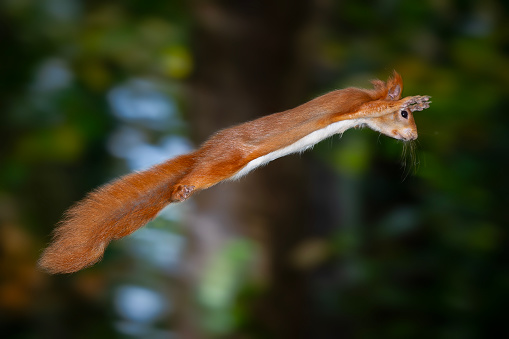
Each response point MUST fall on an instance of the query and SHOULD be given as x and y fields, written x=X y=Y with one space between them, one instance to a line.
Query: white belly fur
x=299 y=146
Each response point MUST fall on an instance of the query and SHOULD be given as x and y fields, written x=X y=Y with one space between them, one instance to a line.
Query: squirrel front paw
x=181 y=193
x=417 y=102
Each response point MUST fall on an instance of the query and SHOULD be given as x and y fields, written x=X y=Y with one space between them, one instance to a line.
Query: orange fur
x=121 y=207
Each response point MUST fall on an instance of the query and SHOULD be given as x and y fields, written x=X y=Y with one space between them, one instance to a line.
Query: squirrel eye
x=404 y=114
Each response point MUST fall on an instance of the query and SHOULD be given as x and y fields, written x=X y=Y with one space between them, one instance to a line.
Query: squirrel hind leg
x=182 y=192
x=207 y=174
x=193 y=183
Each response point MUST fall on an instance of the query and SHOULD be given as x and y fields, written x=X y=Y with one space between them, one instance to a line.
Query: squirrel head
x=398 y=125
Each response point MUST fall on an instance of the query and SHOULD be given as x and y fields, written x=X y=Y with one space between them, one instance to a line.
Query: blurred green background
x=350 y=240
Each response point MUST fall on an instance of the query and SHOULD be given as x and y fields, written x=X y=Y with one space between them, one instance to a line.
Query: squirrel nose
x=409 y=134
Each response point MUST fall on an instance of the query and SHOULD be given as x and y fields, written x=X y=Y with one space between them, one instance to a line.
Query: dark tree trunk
x=250 y=61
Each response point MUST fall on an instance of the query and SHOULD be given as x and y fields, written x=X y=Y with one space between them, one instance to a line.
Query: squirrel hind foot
x=181 y=193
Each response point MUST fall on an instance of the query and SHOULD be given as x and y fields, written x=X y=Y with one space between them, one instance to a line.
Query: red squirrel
x=121 y=207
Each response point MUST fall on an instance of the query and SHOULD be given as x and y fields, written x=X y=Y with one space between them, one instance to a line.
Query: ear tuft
x=394 y=87
x=379 y=85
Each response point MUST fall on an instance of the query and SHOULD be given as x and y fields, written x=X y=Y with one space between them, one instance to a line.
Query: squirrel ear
x=394 y=92
x=394 y=85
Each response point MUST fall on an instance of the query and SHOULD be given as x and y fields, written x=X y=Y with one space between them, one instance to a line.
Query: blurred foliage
x=421 y=256
x=220 y=286
x=58 y=62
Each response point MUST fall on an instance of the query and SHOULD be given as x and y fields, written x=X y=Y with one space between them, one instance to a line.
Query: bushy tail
x=111 y=212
